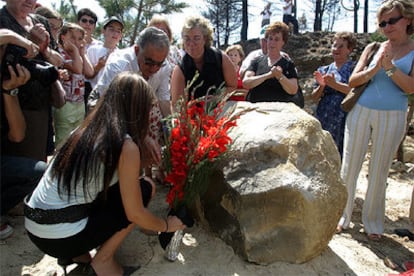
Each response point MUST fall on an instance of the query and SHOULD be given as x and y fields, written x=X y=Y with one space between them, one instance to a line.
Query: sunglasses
x=90 y=21
x=153 y=63
x=392 y=21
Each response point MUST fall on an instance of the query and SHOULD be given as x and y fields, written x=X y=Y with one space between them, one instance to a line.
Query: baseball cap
x=113 y=19
x=263 y=31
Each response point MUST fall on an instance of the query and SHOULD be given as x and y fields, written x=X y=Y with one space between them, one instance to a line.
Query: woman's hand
x=70 y=48
x=64 y=74
x=386 y=56
x=277 y=72
x=329 y=80
x=32 y=50
x=151 y=152
x=16 y=79
x=174 y=224
x=319 y=78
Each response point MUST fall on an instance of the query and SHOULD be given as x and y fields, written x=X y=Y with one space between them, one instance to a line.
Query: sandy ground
x=349 y=253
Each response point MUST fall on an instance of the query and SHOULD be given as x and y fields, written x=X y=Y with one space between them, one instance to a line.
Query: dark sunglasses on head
x=90 y=21
x=151 y=62
x=392 y=21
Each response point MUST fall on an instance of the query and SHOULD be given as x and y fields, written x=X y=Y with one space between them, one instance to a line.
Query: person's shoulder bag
x=352 y=97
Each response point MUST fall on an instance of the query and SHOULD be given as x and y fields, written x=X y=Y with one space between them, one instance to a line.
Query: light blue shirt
x=382 y=93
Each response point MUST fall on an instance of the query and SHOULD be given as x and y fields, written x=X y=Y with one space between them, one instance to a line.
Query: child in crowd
x=99 y=53
x=72 y=47
x=236 y=55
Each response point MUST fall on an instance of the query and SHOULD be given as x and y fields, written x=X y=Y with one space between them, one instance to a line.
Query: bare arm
x=40 y=36
x=14 y=114
x=177 y=85
x=338 y=86
x=229 y=72
x=129 y=172
x=10 y=37
x=361 y=73
x=402 y=80
x=317 y=93
x=88 y=70
x=76 y=64
x=250 y=80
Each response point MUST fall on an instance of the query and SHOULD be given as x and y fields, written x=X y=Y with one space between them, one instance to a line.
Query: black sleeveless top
x=211 y=75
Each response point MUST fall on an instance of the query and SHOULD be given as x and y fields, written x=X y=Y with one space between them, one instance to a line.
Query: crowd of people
x=97 y=110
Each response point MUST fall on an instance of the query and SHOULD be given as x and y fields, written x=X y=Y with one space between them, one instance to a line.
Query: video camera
x=40 y=70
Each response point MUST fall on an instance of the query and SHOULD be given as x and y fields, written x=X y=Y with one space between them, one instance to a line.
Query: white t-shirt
x=46 y=196
x=288 y=8
x=266 y=14
x=94 y=53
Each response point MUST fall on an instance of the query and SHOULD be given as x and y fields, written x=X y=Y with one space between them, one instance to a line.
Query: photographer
x=36 y=94
x=19 y=175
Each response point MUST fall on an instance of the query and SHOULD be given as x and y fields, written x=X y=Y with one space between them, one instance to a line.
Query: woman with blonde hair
x=159 y=21
x=213 y=65
x=380 y=113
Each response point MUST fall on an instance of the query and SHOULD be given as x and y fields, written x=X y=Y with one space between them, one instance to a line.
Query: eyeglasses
x=195 y=39
x=392 y=21
x=153 y=63
x=90 y=21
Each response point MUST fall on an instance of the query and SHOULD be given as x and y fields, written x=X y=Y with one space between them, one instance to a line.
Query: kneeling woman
x=90 y=195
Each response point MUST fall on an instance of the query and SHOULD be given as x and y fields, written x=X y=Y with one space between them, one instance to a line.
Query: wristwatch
x=391 y=71
x=13 y=92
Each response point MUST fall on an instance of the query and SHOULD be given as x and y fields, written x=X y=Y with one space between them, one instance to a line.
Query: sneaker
x=5 y=231
x=408 y=265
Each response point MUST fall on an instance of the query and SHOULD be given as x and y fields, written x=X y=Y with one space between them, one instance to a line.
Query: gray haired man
x=147 y=57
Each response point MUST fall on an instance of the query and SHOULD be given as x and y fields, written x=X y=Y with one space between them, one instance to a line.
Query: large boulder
x=279 y=196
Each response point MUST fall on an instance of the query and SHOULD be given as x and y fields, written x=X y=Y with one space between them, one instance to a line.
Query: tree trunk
x=245 y=21
x=356 y=8
x=366 y=11
x=317 y=25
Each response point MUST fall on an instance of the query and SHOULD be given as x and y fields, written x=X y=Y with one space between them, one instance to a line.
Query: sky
x=255 y=7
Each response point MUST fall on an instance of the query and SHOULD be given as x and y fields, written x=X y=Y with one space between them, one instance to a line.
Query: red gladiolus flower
x=197 y=137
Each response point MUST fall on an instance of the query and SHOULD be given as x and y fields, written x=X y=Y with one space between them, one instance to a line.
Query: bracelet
x=390 y=72
x=281 y=78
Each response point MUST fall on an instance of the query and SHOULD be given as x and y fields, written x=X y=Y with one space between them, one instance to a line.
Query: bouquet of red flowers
x=197 y=138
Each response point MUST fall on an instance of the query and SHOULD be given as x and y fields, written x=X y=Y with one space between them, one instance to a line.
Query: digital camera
x=40 y=70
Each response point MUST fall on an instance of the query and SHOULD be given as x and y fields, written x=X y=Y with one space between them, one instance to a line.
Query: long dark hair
x=91 y=153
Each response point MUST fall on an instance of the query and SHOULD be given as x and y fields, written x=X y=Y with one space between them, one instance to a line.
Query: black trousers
x=106 y=218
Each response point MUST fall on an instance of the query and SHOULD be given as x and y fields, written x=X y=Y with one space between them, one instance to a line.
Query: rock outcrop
x=280 y=195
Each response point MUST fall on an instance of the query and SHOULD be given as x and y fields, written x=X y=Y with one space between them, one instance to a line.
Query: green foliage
x=378 y=37
x=135 y=14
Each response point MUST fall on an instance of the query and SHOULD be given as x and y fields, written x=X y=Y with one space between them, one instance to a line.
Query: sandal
x=374 y=237
x=339 y=229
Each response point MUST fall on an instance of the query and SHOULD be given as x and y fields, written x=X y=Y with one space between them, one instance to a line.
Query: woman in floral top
x=331 y=86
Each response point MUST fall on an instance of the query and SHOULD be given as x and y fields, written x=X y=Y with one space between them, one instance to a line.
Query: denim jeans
x=19 y=176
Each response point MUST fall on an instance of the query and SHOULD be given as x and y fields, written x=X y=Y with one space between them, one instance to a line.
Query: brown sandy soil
x=349 y=253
